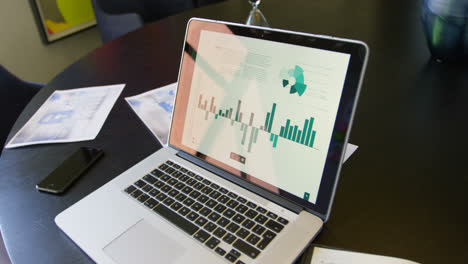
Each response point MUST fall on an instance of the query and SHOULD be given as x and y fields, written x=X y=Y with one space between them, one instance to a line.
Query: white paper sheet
x=334 y=256
x=69 y=116
x=154 y=108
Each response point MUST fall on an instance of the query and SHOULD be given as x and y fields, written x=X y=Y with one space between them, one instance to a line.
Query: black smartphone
x=69 y=170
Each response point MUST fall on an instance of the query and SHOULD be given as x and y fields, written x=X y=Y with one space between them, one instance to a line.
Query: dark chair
x=15 y=94
x=118 y=17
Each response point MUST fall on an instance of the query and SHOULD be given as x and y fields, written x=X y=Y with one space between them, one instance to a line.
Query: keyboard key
x=235 y=253
x=240 y=262
x=172 y=181
x=180 y=197
x=251 y=213
x=232 y=227
x=165 y=177
x=140 y=183
x=192 y=216
x=229 y=213
x=272 y=215
x=130 y=189
x=161 y=196
x=187 y=190
x=166 y=188
x=223 y=199
x=242 y=233
x=190 y=182
x=191 y=174
x=220 y=208
x=177 y=166
x=177 y=174
x=157 y=173
x=258 y=229
x=230 y=257
x=198 y=177
x=196 y=207
x=163 y=167
x=232 y=204
x=205 y=211
x=176 y=206
x=159 y=184
x=150 y=203
x=169 y=162
x=238 y=218
x=195 y=194
x=176 y=219
x=214 y=217
x=241 y=199
x=248 y=224
x=199 y=186
x=183 y=178
x=211 y=203
x=261 y=219
x=215 y=194
x=210 y=227
x=136 y=193
x=253 y=239
x=168 y=201
x=229 y=238
x=206 y=182
x=212 y=242
x=220 y=251
x=150 y=179
x=170 y=170
x=184 y=170
x=241 y=208
x=251 y=205
x=201 y=221
x=232 y=195
x=184 y=211
x=283 y=221
x=188 y=202
x=223 y=222
x=203 y=198
x=275 y=226
x=261 y=210
x=219 y=232
x=179 y=186
x=267 y=238
x=214 y=186
x=154 y=192
x=147 y=188
x=223 y=190
x=246 y=248
x=201 y=236
x=173 y=193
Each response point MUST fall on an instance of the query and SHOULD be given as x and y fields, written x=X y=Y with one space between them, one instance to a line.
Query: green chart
x=288 y=131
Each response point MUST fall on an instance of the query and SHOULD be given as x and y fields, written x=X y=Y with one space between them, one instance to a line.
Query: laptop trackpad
x=142 y=243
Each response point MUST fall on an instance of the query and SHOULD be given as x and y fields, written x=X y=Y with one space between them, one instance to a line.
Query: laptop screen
x=263 y=105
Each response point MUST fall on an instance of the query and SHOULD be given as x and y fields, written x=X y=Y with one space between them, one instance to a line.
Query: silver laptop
x=260 y=124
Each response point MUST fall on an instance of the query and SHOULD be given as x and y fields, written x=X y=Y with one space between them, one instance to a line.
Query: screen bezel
x=358 y=57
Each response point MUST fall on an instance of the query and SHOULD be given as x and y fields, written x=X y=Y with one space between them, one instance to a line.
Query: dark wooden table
x=402 y=194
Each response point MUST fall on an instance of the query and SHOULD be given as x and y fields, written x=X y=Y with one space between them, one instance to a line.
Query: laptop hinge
x=242 y=182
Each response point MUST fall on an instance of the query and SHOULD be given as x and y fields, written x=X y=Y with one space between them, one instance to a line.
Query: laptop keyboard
x=231 y=225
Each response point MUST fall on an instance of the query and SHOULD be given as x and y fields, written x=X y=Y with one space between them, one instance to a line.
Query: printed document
x=154 y=108
x=69 y=116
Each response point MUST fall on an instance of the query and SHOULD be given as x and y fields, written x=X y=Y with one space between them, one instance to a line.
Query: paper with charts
x=154 y=108
x=69 y=116
x=335 y=256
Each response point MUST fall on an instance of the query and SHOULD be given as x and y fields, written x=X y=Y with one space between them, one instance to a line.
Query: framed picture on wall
x=60 y=18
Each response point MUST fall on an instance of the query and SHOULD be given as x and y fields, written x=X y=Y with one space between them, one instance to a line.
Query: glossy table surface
x=403 y=193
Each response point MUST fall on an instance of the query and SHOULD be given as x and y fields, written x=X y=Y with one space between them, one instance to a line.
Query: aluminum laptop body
x=260 y=124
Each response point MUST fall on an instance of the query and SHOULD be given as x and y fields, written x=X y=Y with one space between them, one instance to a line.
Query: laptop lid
x=270 y=107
